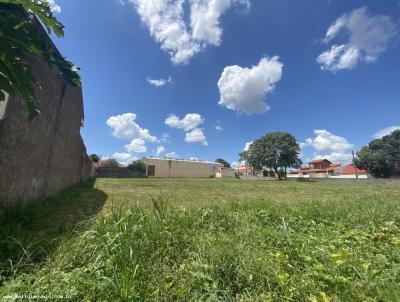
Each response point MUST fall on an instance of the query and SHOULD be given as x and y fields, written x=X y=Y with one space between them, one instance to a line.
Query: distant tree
x=20 y=40
x=382 y=156
x=224 y=162
x=95 y=158
x=275 y=150
x=109 y=163
x=137 y=165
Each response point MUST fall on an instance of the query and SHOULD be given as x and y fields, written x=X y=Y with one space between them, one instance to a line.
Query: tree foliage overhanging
x=95 y=158
x=275 y=150
x=224 y=162
x=20 y=39
x=381 y=157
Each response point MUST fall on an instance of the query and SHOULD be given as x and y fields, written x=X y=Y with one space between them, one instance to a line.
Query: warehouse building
x=167 y=167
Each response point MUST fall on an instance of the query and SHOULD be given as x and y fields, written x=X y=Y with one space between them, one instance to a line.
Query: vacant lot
x=208 y=239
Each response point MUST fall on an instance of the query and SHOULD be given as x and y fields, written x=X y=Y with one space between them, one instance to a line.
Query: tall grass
x=326 y=249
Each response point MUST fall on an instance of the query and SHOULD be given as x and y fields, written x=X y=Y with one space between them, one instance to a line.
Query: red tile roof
x=351 y=169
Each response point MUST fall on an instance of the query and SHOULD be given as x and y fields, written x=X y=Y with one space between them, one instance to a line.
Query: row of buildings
x=319 y=168
x=323 y=168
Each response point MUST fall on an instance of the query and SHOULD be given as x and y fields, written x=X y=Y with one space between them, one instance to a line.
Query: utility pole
x=354 y=162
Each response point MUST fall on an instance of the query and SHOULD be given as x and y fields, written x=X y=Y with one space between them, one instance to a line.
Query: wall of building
x=226 y=172
x=45 y=155
x=181 y=168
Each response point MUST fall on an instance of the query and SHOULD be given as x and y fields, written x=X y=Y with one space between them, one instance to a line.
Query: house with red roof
x=323 y=168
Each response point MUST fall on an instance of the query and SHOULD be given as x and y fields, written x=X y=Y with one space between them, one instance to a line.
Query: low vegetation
x=219 y=240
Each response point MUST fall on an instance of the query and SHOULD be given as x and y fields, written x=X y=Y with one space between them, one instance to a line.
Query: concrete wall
x=45 y=155
x=225 y=172
x=181 y=168
x=118 y=173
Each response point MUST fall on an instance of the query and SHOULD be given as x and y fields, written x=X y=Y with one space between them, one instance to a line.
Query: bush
x=137 y=165
x=109 y=163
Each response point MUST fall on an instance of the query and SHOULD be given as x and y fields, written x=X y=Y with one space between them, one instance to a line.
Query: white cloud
x=189 y=122
x=160 y=150
x=125 y=127
x=171 y=155
x=368 y=36
x=219 y=128
x=204 y=19
x=137 y=145
x=164 y=138
x=335 y=148
x=196 y=136
x=381 y=133
x=54 y=7
x=247 y=146
x=326 y=141
x=165 y=21
x=160 y=82
x=124 y=158
x=244 y=89
x=336 y=157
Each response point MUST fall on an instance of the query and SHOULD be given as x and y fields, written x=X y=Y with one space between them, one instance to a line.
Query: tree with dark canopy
x=224 y=162
x=381 y=157
x=95 y=158
x=275 y=150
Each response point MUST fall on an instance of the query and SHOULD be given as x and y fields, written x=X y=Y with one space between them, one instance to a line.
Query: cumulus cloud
x=137 y=145
x=159 y=82
x=333 y=147
x=247 y=146
x=165 y=20
x=189 y=122
x=367 y=37
x=328 y=142
x=196 y=136
x=244 y=89
x=386 y=131
x=160 y=150
x=54 y=7
x=125 y=127
x=204 y=20
x=219 y=128
x=171 y=155
x=124 y=158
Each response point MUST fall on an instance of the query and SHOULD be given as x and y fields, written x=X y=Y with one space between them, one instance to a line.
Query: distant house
x=323 y=168
x=167 y=167
x=317 y=168
x=245 y=170
x=350 y=171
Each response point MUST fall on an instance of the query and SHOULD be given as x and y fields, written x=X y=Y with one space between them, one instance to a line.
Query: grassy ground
x=207 y=240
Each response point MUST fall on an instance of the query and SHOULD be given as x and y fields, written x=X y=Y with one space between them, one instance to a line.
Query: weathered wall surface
x=42 y=156
x=118 y=173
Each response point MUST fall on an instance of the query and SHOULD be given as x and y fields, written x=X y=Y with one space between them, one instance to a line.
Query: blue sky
x=326 y=71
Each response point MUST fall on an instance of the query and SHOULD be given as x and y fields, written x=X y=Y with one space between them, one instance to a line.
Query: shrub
x=137 y=165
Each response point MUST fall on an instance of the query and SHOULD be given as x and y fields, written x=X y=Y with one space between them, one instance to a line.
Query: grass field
x=206 y=240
